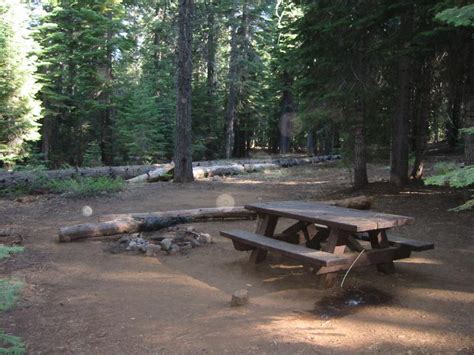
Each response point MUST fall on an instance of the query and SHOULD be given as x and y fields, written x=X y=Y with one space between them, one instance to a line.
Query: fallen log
x=117 y=226
x=358 y=203
x=223 y=168
x=154 y=175
x=141 y=222
x=150 y=172
x=196 y=215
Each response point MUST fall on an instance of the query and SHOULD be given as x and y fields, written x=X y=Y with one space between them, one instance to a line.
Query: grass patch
x=11 y=345
x=76 y=187
x=86 y=186
x=6 y=251
x=9 y=290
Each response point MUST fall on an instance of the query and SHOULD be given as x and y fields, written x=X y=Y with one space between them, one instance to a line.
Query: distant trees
x=19 y=108
x=365 y=78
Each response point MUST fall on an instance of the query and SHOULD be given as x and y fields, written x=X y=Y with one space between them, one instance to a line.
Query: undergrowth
x=455 y=177
x=76 y=187
x=9 y=291
x=6 y=251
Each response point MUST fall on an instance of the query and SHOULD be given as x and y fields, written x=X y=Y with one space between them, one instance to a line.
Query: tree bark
x=360 y=152
x=287 y=113
x=401 y=119
x=211 y=80
x=421 y=121
x=233 y=76
x=183 y=142
x=469 y=113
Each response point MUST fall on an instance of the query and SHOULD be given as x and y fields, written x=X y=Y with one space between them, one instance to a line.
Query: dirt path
x=79 y=299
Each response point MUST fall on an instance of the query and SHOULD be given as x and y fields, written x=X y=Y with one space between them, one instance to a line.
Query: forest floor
x=79 y=299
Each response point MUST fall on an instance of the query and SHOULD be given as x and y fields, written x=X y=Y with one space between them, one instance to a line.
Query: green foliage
x=86 y=186
x=9 y=290
x=468 y=130
x=72 y=187
x=19 y=108
x=11 y=345
x=458 y=16
x=457 y=178
x=6 y=251
x=443 y=167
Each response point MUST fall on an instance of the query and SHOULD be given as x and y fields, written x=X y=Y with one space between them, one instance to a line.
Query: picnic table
x=326 y=237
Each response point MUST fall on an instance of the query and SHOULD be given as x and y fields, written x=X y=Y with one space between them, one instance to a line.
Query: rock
x=124 y=239
x=134 y=235
x=132 y=246
x=186 y=246
x=174 y=250
x=152 y=249
x=194 y=243
x=205 y=238
x=190 y=229
x=166 y=243
x=239 y=298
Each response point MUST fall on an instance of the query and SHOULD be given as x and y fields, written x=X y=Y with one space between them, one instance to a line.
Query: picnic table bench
x=333 y=237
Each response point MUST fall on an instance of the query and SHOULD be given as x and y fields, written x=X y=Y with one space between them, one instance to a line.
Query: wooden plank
x=378 y=240
x=336 y=245
x=369 y=257
x=266 y=225
x=412 y=244
x=343 y=218
x=297 y=252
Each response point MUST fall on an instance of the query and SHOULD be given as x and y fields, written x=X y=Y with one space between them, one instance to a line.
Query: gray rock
x=190 y=229
x=239 y=298
x=132 y=246
x=186 y=246
x=174 y=250
x=124 y=239
x=205 y=238
x=166 y=243
x=194 y=243
x=152 y=249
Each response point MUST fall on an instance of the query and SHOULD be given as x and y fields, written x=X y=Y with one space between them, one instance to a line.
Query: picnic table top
x=337 y=217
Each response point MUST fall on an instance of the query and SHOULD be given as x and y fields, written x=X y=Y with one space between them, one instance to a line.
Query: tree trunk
x=211 y=146
x=230 y=115
x=421 y=120
x=360 y=154
x=401 y=119
x=310 y=143
x=106 y=114
x=287 y=113
x=183 y=142
x=469 y=113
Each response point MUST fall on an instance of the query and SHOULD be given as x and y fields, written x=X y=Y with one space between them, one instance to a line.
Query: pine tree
x=19 y=108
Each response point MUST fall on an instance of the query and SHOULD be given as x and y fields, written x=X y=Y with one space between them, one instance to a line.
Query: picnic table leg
x=336 y=244
x=265 y=226
x=378 y=240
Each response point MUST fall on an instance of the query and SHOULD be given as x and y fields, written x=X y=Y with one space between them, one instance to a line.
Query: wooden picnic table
x=332 y=237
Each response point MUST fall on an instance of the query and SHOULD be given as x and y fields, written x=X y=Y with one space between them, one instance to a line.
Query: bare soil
x=79 y=299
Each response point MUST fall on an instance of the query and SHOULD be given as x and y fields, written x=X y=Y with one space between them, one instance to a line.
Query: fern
x=457 y=178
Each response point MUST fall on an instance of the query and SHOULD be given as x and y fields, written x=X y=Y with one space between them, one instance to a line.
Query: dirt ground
x=79 y=299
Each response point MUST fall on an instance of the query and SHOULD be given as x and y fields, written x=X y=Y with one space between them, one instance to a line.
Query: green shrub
x=444 y=167
x=86 y=186
x=80 y=186
x=11 y=345
x=9 y=290
x=457 y=178
x=6 y=251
